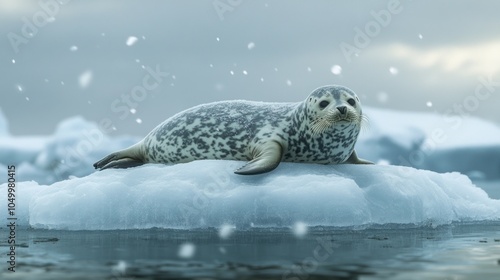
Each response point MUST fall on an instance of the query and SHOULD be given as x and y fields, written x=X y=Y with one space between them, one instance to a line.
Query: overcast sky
x=98 y=59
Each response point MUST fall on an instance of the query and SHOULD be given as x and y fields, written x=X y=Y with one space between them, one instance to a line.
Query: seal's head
x=329 y=106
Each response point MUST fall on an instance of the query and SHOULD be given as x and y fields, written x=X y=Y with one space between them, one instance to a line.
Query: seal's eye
x=323 y=104
x=351 y=101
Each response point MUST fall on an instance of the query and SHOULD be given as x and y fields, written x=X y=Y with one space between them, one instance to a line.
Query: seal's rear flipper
x=129 y=157
x=109 y=158
x=123 y=163
x=353 y=159
x=267 y=159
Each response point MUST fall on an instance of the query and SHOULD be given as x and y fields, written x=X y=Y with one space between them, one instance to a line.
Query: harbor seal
x=322 y=129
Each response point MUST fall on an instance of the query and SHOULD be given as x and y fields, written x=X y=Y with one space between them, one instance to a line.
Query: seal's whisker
x=320 y=124
x=364 y=122
x=317 y=126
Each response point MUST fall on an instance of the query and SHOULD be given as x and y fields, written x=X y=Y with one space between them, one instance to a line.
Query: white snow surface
x=206 y=193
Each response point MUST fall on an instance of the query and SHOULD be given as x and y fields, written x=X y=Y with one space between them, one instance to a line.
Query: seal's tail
x=129 y=157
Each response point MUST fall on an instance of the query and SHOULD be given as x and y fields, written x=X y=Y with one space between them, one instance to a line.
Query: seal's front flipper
x=355 y=160
x=267 y=158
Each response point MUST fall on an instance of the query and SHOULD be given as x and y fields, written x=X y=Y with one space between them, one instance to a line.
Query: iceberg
x=441 y=143
x=70 y=151
x=206 y=194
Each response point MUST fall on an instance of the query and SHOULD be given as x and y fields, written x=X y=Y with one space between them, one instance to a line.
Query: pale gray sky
x=77 y=61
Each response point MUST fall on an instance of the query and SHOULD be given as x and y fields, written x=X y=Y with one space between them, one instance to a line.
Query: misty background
x=90 y=56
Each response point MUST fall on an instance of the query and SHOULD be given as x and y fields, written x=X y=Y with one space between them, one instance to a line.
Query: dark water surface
x=469 y=251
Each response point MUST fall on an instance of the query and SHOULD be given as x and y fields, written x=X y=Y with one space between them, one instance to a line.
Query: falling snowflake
x=119 y=269
x=219 y=86
x=382 y=97
x=251 y=45
x=336 y=70
x=226 y=230
x=383 y=162
x=393 y=70
x=73 y=48
x=186 y=250
x=85 y=79
x=131 y=40
x=299 y=229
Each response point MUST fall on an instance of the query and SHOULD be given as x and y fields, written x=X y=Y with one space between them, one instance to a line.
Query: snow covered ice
x=70 y=151
x=433 y=142
x=206 y=194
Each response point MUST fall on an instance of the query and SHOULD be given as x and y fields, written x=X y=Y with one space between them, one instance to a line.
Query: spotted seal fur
x=322 y=129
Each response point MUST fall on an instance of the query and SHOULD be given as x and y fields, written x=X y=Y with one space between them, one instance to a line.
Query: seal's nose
x=342 y=109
